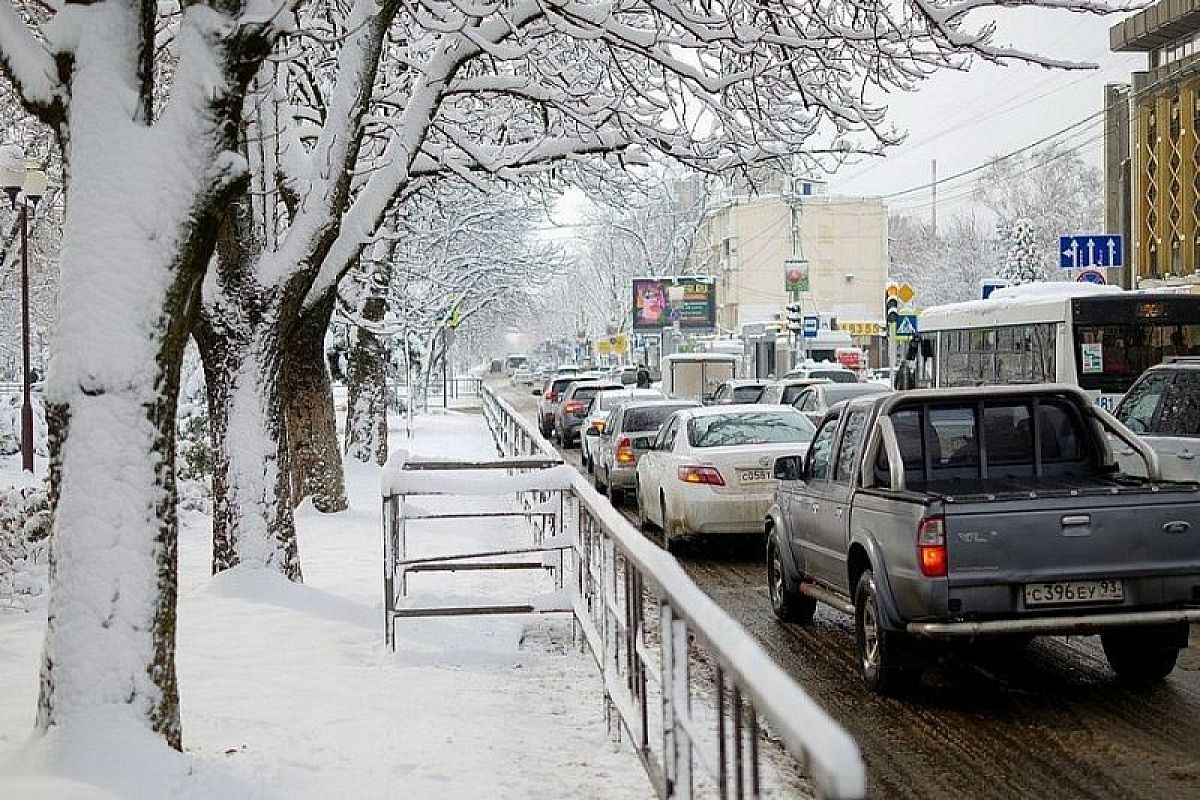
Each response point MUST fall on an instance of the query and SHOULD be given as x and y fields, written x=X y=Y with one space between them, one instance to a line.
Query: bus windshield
x=1117 y=338
x=1111 y=357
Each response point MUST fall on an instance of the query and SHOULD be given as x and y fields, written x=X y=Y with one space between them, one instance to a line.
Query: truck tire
x=1140 y=657
x=881 y=653
x=788 y=605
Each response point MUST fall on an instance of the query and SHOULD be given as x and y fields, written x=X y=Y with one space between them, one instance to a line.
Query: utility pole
x=933 y=191
x=797 y=256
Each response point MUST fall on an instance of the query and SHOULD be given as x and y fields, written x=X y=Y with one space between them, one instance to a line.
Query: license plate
x=1065 y=592
x=754 y=475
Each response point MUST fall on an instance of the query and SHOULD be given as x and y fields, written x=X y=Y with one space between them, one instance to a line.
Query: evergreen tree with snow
x=1020 y=252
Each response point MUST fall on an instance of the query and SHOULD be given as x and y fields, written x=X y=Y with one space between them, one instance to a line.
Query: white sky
x=963 y=119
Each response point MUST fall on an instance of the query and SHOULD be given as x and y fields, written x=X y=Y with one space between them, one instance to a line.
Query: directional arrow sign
x=1088 y=250
x=906 y=325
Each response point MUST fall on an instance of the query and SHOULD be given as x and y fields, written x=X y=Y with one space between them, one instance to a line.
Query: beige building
x=746 y=240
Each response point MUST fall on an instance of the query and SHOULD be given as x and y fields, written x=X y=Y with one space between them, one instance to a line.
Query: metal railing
x=659 y=641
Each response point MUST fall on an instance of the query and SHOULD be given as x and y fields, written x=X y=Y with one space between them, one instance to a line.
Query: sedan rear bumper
x=707 y=512
x=1089 y=623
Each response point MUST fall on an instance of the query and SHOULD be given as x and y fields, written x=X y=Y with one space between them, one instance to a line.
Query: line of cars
x=933 y=516
x=692 y=468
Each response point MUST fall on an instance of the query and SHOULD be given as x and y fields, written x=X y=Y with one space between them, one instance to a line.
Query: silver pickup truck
x=984 y=512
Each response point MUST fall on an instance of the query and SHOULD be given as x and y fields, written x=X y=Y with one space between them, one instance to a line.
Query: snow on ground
x=288 y=690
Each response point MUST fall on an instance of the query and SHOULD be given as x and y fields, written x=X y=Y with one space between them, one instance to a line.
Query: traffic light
x=795 y=319
x=891 y=304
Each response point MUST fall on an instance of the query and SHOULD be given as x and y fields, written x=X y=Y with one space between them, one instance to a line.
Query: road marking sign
x=1086 y=250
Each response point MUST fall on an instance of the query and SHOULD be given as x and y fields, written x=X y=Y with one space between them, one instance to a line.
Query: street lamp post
x=24 y=187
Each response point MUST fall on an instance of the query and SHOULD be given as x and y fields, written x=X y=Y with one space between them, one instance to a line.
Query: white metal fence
x=687 y=685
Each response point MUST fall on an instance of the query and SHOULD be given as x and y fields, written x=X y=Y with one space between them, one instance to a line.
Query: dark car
x=551 y=395
x=816 y=400
x=573 y=407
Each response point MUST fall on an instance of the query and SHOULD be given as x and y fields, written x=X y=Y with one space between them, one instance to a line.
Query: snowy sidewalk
x=288 y=690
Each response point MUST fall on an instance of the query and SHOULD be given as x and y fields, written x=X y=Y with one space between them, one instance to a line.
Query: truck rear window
x=1001 y=439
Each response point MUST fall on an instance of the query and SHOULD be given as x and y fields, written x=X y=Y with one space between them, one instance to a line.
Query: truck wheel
x=788 y=605
x=1137 y=657
x=880 y=651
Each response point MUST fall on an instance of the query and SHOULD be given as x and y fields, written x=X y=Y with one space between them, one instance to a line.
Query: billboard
x=660 y=303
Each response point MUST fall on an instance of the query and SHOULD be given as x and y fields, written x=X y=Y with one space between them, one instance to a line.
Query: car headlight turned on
x=701 y=475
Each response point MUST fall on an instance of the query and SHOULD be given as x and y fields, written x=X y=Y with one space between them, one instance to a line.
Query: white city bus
x=1100 y=338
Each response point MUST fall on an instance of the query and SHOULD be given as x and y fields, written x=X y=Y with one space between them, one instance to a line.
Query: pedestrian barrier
x=660 y=643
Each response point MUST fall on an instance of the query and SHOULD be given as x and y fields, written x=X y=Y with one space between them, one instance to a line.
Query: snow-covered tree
x=644 y=223
x=1022 y=259
x=1051 y=190
x=137 y=238
x=947 y=267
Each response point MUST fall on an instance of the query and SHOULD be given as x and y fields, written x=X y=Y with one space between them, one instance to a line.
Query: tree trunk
x=316 y=460
x=110 y=635
x=252 y=510
x=366 y=384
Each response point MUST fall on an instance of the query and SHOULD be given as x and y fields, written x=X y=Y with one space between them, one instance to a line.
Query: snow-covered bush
x=24 y=542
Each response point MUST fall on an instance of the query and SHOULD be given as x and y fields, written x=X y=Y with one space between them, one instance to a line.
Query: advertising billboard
x=660 y=303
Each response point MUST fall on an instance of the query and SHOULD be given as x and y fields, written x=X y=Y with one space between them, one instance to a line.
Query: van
x=695 y=376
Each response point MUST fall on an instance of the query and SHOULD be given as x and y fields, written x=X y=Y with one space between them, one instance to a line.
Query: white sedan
x=711 y=470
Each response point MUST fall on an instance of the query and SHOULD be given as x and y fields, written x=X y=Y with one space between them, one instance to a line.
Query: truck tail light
x=707 y=475
x=931 y=546
x=574 y=407
x=625 y=454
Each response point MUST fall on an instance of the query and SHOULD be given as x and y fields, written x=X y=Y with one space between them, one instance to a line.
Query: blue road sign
x=1087 y=250
x=1091 y=276
x=906 y=325
x=811 y=325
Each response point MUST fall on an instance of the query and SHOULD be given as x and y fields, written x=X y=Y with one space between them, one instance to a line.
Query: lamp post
x=24 y=186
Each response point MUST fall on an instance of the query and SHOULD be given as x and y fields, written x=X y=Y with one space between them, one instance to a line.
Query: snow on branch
x=29 y=65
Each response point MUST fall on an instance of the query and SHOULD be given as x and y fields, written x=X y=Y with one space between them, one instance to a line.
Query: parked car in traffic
x=628 y=434
x=1163 y=408
x=834 y=373
x=709 y=469
x=572 y=408
x=598 y=414
x=944 y=514
x=784 y=392
x=738 y=390
x=815 y=400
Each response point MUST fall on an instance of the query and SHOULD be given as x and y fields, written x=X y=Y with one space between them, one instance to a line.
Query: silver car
x=627 y=435
x=598 y=413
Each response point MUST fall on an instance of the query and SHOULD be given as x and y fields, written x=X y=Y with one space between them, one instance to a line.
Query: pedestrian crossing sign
x=906 y=326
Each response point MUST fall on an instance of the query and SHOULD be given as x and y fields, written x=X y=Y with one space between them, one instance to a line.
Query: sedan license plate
x=754 y=475
x=1066 y=592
